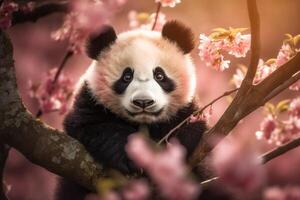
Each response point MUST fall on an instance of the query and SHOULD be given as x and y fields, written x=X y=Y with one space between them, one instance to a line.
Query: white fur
x=143 y=51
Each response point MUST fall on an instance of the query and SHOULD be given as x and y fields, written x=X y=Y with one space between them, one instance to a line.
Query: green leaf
x=220 y=30
x=283 y=106
x=270 y=108
x=296 y=39
x=271 y=61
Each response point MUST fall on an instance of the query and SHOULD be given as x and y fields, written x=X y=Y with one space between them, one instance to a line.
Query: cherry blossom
x=7 y=8
x=168 y=3
x=286 y=193
x=221 y=40
x=295 y=86
x=209 y=51
x=238 y=165
x=136 y=190
x=277 y=130
x=169 y=170
x=239 y=46
x=145 y=21
x=52 y=97
x=86 y=17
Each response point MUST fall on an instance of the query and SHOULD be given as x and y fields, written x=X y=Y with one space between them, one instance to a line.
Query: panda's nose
x=143 y=103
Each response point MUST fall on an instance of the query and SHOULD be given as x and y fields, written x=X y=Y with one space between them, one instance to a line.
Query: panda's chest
x=144 y=129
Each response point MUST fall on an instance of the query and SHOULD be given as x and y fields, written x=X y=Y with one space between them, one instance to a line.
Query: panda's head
x=143 y=76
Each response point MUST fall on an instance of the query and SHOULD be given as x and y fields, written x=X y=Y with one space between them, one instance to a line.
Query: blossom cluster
x=145 y=20
x=222 y=40
x=287 y=51
x=286 y=193
x=168 y=3
x=7 y=9
x=169 y=170
x=85 y=18
x=237 y=164
x=52 y=96
x=277 y=130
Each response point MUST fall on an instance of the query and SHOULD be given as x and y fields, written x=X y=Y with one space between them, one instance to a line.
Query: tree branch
x=266 y=157
x=278 y=151
x=255 y=41
x=40 y=11
x=3 y=156
x=42 y=145
x=198 y=112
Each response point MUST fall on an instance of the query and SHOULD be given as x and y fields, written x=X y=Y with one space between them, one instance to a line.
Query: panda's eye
x=159 y=76
x=127 y=76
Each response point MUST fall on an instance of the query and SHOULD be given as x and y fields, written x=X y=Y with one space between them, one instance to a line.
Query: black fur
x=97 y=43
x=104 y=134
x=166 y=83
x=181 y=35
x=120 y=85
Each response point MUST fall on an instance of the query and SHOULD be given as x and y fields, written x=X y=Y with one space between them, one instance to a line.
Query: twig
x=56 y=77
x=198 y=112
x=282 y=87
x=39 y=12
x=266 y=157
x=280 y=150
x=156 y=15
x=3 y=156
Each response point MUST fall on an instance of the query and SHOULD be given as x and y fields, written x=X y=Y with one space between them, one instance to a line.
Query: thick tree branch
x=40 y=11
x=3 y=156
x=41 y=144
x=255 y=41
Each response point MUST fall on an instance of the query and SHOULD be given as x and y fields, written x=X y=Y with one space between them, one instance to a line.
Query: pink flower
x=86 y=17
x=136 y=190
x=240 y=45
x=52 y=97
x=295 y=86
x=209 y=52
x=166 y=168
x=295 y=107
x=7 y=8
x=166 y=3
x=267 y=127
x=146 y=21
x=285 y=54
x=264 y=70
x=286 y=193
x=238 y=166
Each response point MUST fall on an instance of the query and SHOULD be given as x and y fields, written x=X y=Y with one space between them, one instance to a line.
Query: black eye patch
x=167 y=84
x=122 y=83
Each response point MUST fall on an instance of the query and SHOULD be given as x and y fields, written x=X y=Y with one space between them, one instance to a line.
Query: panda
x=139 y=79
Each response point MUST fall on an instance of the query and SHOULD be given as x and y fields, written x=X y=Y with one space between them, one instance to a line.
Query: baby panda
x=138 y=79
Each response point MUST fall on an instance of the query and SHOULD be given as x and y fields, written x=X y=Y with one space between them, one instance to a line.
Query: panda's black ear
x=96 y=43
x=180 y=34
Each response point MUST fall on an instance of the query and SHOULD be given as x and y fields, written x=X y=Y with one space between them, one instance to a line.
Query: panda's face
x=143 y=77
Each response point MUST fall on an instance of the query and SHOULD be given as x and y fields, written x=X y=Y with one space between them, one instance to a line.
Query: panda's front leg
x=190 y=134
x=106 y=144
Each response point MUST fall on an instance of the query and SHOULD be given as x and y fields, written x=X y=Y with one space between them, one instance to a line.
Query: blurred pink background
x=35 y=53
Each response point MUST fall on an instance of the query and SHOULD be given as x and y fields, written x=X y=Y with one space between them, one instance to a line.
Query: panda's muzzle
x=156 y=113
x=143 y=103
